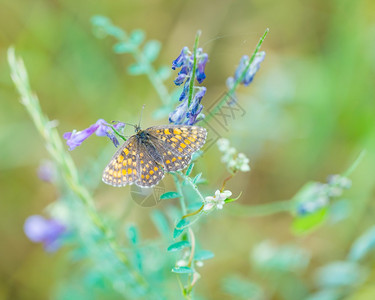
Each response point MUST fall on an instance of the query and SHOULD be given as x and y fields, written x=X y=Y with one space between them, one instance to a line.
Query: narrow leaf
x=136 y=69
x=363 y=245
x=203 y=255
x=137 y=36
x=132 y=234
x=178 y=246
x=151 y=50
x=169 y=195
x=196 y=178
x=189 y=169
x=309 y=222
x=123 y=48
x=164 y=72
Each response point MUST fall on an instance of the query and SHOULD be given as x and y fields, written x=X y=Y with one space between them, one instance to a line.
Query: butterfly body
x=145 y=157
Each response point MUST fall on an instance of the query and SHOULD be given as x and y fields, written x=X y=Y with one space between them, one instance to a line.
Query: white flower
x=199 y=263
x=181 y=263
x=217 y=201
x=222 y=144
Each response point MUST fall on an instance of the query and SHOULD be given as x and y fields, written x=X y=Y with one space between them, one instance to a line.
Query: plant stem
x=63 y=160
x=179 y=190
x=192 y=184
x=355 y=164
x=191 y=84
x=238 y=81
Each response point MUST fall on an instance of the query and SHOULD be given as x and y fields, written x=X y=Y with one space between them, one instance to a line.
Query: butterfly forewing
x=123 y=169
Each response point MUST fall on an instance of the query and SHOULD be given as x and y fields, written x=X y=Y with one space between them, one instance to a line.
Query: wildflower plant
x=137 y=268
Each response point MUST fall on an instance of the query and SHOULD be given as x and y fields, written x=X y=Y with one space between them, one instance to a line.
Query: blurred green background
x=309 y=113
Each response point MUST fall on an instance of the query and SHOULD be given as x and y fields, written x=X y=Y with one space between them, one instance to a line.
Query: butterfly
x=145 y=157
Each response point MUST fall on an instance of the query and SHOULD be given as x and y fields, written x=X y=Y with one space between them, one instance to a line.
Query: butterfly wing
x=151 y=172
x=123 y=169
x=176 y=143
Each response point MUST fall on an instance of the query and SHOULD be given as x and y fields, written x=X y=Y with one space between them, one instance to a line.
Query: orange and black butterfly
x=145 y=157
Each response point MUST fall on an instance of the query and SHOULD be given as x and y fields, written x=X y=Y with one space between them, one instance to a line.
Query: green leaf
x=178 y=246
x=164 y=72
x=123 y=47
x=136 y=69
x=182 y=224
x=100 y=21
x=363 y=245
x=132 y=234
x=340 y=274
x=137 y=36
x=189 y=169
x=177 y=232
x=307 y=223
x=182 y=270
x=203 y=255
x=196 y=178
x=151 y=50
x=169 y=195
x=180 y=227
x=232 y=199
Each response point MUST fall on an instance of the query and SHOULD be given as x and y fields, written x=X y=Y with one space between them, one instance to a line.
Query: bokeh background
x=309 y=113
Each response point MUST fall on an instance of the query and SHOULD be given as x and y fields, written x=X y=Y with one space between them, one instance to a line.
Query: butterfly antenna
x=140 y=118
x=124 y=123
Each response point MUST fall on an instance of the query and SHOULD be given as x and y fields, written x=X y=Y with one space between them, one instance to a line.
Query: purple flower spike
x=180 y=79
x=41 y=230
x=201 y=66
x=178 y=115
x=75 y=138
x=185 y=91
x=255 y=65
x=177 y=63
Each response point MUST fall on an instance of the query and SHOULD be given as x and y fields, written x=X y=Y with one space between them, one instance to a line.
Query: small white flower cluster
x=234 y=161
x=217 y=201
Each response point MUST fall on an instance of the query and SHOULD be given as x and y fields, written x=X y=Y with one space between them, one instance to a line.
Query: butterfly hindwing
x=150 y=171
x=123 y=169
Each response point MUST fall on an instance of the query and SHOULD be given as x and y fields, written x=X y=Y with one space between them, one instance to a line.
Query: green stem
x=63 y=160
x=355 y=164
x=115 y=131
x=193 y=213
x=192 y=184
x=179 y=190
x=261 y=209
x=238 y=81
x=191 y=83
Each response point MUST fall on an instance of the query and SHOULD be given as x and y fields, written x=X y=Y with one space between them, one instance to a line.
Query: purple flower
x=185 y=91
x=250 y=73
x=180 y=79
x=75 y=138
x=47 y=171
x=178 y=115
x=201 y=66
x=100 y=128
x=178 y=62
x=46 y=231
